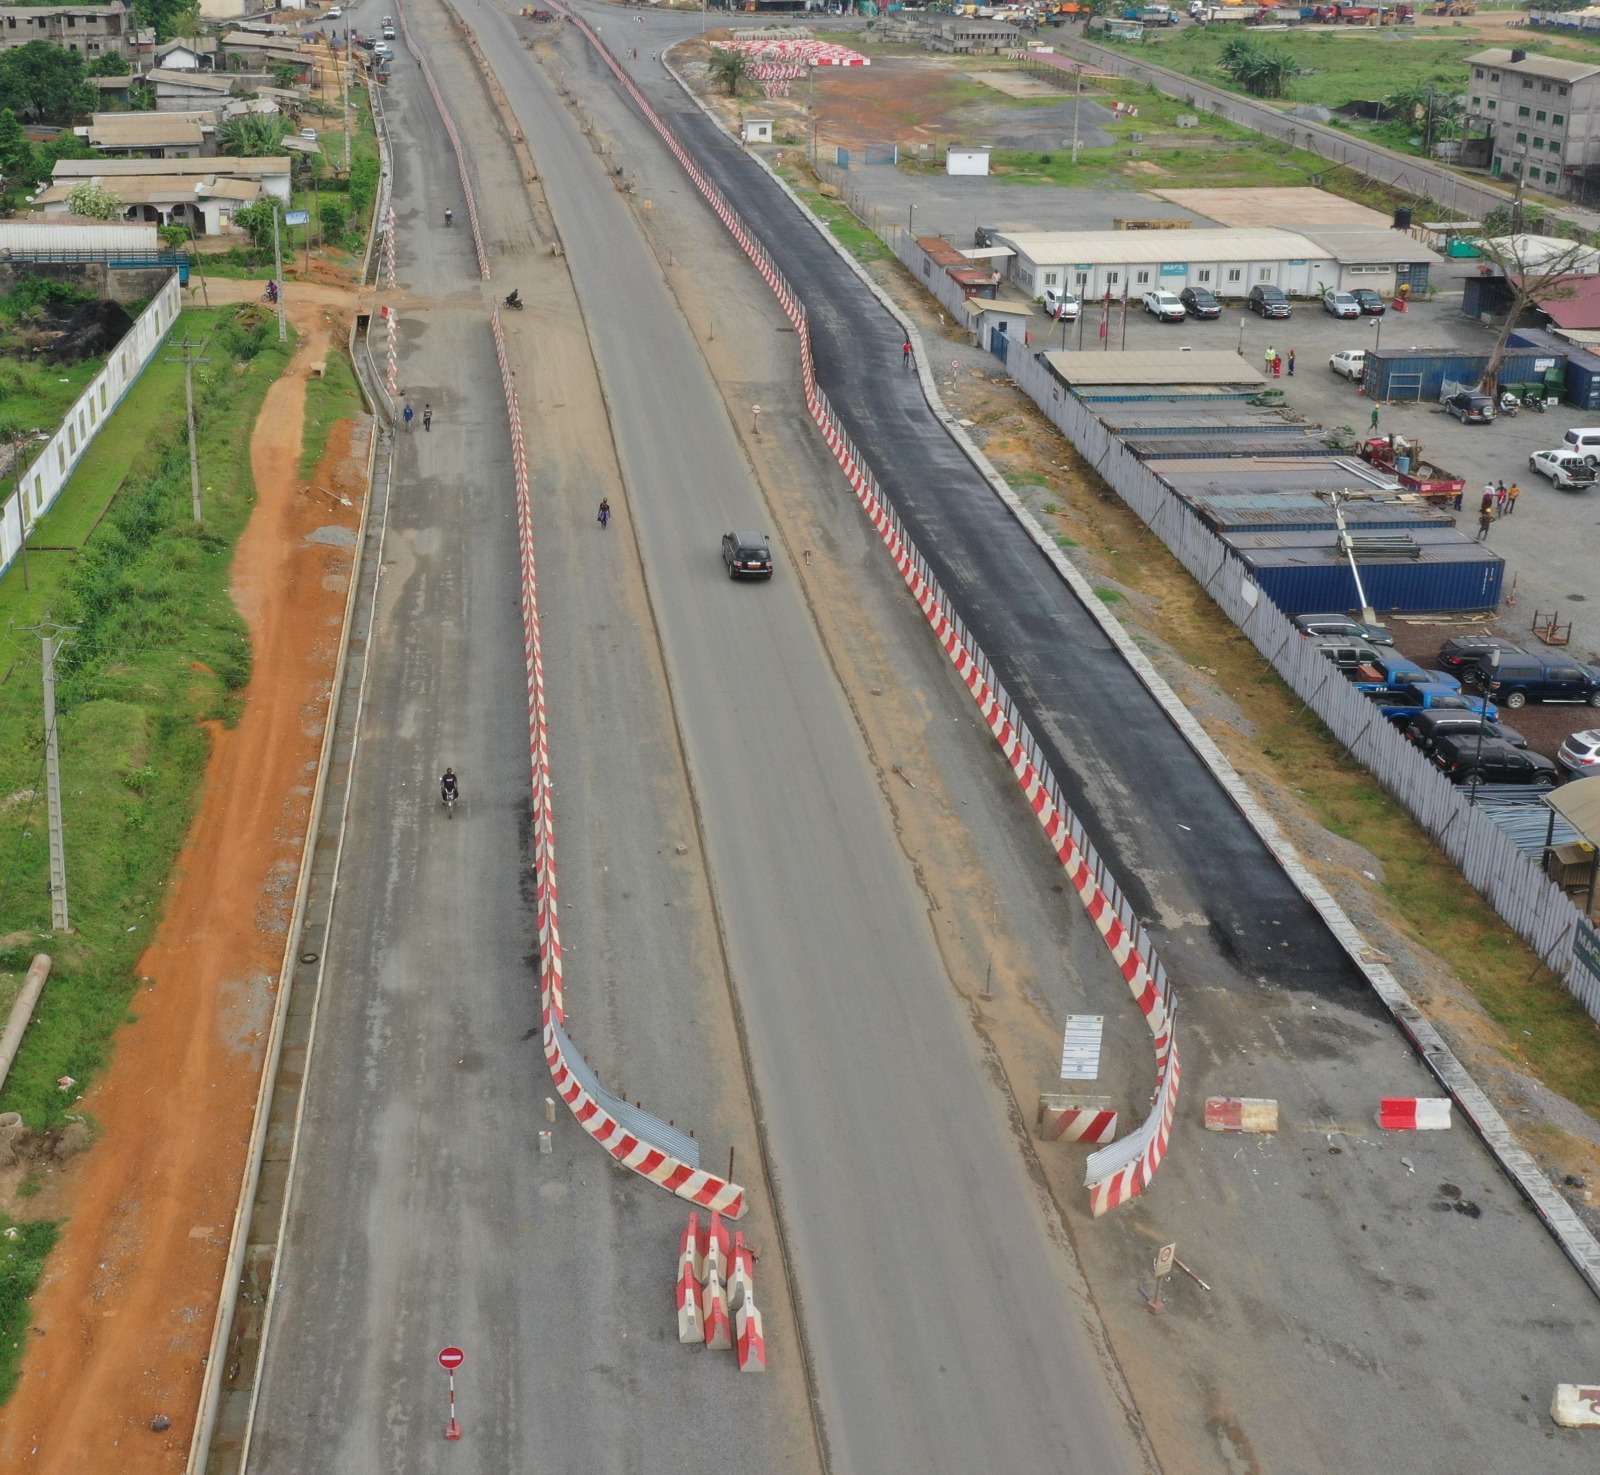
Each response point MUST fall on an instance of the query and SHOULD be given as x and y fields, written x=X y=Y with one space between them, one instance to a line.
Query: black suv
x=1471 y=409
x=1199 y=303
x=1371 y=303
x=1342 y=627
x=1268 y=301
x=747 y=555
x=1462 y=651
x=1425 y=728
x=1464 y=760
x=1524 y=678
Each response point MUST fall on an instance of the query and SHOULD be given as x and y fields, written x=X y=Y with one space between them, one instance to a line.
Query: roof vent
x=1519 y=55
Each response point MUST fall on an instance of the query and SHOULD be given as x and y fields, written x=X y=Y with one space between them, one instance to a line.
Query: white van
x=1585 y=440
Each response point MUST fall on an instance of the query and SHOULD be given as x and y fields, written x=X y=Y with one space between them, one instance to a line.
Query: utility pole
x=50 y=637
x=277 y=256
x=1077 y=104
x=189 y=361
x=344 y=92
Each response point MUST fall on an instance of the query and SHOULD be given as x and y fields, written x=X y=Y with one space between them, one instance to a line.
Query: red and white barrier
x=714 y=1312
x=1089 y=876
x=1241 y=1114
x=752 y=1344
x=691 y=1325
x=1575 y=1406
x=627 y=1147
x=1414 y=1113
x=741 y=1278
x=1065 y=1119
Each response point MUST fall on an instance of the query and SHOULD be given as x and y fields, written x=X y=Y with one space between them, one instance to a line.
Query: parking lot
x=1552 y=543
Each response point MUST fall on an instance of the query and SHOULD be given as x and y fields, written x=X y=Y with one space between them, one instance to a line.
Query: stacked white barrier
x=1125 y=1168
x=624 y=1132
x=455 y=143
x=716 y=1294
x=691 y=1326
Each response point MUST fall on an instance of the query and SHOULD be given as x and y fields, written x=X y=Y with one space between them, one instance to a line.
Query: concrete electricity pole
x=50 y=637
x=277 y=257
x=189 y=361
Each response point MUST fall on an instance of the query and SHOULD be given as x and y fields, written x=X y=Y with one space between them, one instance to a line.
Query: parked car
x=1404 y=702
x=1351 y=362
x=1165 y=305
x=1063 y=306
x=1565 y=468
x=1199 y=303
x=1268 y=301
x=1525 y=678
x=309 y=134
x=1425 y=728
x=1470 y=408
x=1580 y=753
x=1356 y=659
x=1467 y=759
x=1585 y=440
x=1395 y=670
x=1372 y=304
x=1342 y=627
x=747 y=555
x=1340 y=305
x=1461 y=651
x=335 y=13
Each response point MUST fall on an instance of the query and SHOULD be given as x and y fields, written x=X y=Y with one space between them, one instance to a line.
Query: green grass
x=36 y=396
x=864 y=244
x=159 y=649
x=23 y=1248
x=334 y=397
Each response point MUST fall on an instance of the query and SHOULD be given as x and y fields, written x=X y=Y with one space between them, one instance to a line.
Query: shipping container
x=1420 y=373
x=24 y=237
x=1302 y=573
x=1583 y=367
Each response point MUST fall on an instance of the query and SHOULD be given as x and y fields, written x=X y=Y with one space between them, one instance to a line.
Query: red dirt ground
x=124 y=1317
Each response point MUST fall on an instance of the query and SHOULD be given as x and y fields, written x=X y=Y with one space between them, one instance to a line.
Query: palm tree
x=252 y=135
x=730 y=68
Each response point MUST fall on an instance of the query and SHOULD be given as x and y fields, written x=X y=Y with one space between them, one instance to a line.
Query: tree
x=1263 y=71
x=252 y=135
x=109 y=64
x=17 y=162
x=95 y=202
x=171 y=18
x=257 y=219
x=142 y=97
x=174 y=236
x=44 y=83
x=730 y=69
x=285 y=74
x=1537 y=269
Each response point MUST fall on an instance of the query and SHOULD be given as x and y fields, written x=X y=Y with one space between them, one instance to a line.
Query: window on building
x=1522 y=112
x=72 y=22
x=1144 y=279
x=1544 y=87
x=1539 y=117
x=1527 y=84
x=1522 y=138
x=1561 y=92
x=1494 y=76
x=1082 y=280
x=1204 y=275
x=1516 y=167
x=1233 y=273
x=1050 y=277
x=1477 y=103
x=1549 y=176
x=1478 y=73
x=1112 y=278
x=1264 y=275
x=1556 y=120
x=1555 y=146
x=1538 y=142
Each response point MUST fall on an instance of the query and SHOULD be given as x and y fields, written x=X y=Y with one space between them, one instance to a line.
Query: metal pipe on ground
x=22 y=1012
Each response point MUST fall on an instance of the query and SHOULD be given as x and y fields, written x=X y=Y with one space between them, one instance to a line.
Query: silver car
x=1340 y=305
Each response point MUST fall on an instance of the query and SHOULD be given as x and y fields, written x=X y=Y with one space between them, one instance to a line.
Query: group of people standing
x=1499 y=500
x=1274 y=363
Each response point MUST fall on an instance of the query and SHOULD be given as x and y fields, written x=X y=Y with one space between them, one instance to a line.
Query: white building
x=1226 y=262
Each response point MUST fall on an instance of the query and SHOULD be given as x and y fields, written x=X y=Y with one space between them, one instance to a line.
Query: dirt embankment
x=123 y=1319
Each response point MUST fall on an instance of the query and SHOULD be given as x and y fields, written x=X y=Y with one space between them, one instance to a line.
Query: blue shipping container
x=1583 y=368
x=1419 y=373
x=1301 y=576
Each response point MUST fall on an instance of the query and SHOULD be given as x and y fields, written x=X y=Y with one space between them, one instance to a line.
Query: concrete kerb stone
x=1580 y=1246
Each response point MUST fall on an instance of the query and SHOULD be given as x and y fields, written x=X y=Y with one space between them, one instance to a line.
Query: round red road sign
x=452 y=1358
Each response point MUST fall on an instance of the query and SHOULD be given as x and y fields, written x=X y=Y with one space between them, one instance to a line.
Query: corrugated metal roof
x=1534 y=64
x=1154 y=366
x=1130 y=247
x=1521 y=812
x=1346 y=243
x=1187 y=393
x=1251 y=539
x=1275 y=473
x=1180 y=417
x=1315 y=554
x=1240 y=445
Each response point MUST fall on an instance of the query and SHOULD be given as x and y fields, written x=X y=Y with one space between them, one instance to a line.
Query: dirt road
x=124 y=1316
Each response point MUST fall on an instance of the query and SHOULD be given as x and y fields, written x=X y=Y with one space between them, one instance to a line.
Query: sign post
x=301 y=217
x=1164 y=1260
x=450 y=1359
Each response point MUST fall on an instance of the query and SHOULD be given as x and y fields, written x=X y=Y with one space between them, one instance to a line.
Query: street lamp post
x=1483 y=722
x=1377 y=332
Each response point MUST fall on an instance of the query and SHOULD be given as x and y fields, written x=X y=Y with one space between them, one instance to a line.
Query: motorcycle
x=1509 y=403
x=514 y=300
x=448 y=797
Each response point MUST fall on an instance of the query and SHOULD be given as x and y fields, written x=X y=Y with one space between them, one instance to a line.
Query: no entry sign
x=451 y=1358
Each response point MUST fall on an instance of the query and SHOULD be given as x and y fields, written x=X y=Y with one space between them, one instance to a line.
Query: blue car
x=1398 y=671
x=1401 y=704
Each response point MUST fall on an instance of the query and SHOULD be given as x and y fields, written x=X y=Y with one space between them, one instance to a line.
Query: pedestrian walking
x=410 y=415
x=1485 y=522
x=1374 y=418
x=427 y=418
x=603 y=517
x=905 y=354
x=1291 y=363
x=1272 y=353
x=1500 y=499
x=1277 y=366
x=1512 y=493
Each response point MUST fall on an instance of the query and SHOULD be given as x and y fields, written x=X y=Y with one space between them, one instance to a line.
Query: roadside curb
x=1574 y=1237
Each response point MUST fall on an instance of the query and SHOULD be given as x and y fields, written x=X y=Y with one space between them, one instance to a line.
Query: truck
x=1403 y=460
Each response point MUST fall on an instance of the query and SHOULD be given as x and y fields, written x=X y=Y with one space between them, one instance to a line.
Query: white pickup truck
x=1565 y=467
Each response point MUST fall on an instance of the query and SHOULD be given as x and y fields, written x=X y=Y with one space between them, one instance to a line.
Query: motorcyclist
x=272 y=291
x=448 y=789
x=514 y=297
